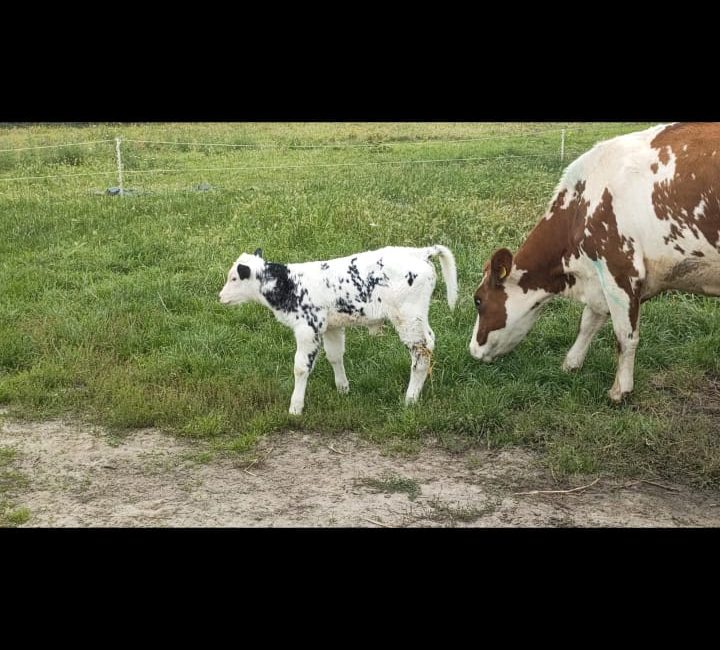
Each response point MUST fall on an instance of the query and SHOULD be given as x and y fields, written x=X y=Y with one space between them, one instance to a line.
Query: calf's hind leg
x=420 y=341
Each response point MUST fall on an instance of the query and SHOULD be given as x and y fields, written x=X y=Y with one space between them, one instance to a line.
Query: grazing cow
x=319 y=299
x=634 y=216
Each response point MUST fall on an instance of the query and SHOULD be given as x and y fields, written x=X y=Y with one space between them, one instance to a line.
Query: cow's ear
x=258 y=252
x=500 y=265
x=243 y=271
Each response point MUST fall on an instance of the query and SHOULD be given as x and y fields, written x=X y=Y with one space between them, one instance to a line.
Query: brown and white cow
x=634 y=216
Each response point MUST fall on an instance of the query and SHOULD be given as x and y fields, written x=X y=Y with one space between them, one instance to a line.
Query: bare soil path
x=80 y=476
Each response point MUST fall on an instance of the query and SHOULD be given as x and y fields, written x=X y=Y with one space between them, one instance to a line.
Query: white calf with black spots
x=318 y=300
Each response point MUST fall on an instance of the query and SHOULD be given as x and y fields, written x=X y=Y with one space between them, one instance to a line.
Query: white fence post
x=562 y=146
x=119 y=164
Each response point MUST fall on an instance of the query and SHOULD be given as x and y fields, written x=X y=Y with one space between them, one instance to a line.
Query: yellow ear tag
x=503 y=272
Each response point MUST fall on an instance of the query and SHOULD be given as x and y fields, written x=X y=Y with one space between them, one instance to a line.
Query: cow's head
x=243 y=279
x=506 y=311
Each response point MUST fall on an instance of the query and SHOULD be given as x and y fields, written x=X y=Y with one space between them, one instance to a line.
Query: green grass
x=391 y=484
x=108 y=305
x=10 y=482
x=451 y=514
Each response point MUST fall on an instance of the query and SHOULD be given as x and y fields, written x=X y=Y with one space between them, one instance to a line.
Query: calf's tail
x=449 y=271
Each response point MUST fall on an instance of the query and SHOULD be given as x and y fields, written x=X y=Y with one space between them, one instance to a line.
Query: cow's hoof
x=295 y=410
x=617 y=396
x=343 y=389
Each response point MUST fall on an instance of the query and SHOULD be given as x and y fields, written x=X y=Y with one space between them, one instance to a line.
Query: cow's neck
x=550 y=244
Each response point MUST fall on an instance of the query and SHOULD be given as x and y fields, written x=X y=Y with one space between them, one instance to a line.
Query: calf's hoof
x=295 y=410
x=570 y=365
x=343 y=389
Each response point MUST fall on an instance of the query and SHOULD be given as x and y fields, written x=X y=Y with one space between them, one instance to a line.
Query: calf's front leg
x=334 y=343
x=308 y=344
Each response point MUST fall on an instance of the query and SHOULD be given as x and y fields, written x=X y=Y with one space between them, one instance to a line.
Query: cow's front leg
x=308 y=344
x=625 y=322
x=590 y=325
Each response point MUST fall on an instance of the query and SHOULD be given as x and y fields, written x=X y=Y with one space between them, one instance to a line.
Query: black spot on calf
x=311 y=359
x=283 y=295
x=345 y=306
x=365 y=287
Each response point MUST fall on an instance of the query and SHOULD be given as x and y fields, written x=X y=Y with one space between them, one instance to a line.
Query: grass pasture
x=108 y=304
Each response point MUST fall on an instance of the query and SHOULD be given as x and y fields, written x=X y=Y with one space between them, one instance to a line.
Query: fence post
x=119 y=164
x=562 y=146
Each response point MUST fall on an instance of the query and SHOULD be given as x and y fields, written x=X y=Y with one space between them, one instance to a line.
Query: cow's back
x=654 y=195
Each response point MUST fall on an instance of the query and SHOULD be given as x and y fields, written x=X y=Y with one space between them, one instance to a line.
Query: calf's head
x=506 y=310
x=243 y=279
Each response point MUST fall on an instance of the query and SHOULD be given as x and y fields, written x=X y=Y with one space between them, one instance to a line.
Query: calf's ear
x=243 y=271
x=258 y=252
x=500 y=265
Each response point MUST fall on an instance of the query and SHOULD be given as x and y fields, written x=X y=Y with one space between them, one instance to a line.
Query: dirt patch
x=80 y=476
